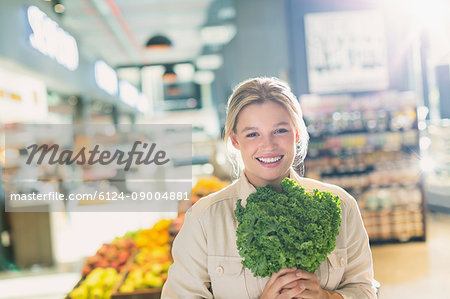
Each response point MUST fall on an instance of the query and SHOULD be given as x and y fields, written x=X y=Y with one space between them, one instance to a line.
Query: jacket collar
x=245 y=188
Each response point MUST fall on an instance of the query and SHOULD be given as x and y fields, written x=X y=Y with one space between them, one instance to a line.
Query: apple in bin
x=97 y=293
x=156 y=269
x=123 y=256
x=166 y=265
x=103 y=249
x=111 y=253
x=153 y=281
x=79 y=293
x=102 y=263
x=86 y=270
x=92 y=260
x=123 y=243
x=115 y=265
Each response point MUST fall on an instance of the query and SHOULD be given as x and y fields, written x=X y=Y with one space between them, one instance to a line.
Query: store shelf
x=369 y=145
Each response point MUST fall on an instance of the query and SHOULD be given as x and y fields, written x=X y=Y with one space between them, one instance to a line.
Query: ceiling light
x=59 y=8
x=169 y=75
x=184 y=71
x=217 y=35
x=226 y=13
x=158 y=42
x=209 y=62
x=204 y=77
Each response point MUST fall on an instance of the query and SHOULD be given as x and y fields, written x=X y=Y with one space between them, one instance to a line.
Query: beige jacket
x=207 y=263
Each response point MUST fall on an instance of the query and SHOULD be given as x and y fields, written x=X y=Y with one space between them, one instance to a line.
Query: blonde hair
x=260 y=90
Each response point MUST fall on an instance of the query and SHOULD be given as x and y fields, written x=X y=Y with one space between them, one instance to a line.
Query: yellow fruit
x=79 y=293
x=126 y=288
x=153 y=281
x=162 y=224
x=166 y=266
x=156 y=269
x=97 y=293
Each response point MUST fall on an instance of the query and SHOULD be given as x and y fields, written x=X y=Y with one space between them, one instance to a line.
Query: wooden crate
x=138 y=294
x=122 y=274
x=150 y=293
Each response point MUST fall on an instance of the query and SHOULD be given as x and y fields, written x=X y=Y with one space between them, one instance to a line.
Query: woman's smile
x=270 y=161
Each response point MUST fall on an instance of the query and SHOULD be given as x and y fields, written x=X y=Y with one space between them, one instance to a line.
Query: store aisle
x=416 y=269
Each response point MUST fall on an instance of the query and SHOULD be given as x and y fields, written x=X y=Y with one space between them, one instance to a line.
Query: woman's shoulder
x=225 y=196
x=347 y=200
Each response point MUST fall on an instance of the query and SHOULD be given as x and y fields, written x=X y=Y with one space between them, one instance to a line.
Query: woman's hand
x=309 y=285
x=284 y=280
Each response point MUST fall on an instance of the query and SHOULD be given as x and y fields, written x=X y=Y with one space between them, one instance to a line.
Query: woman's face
x=266 y=138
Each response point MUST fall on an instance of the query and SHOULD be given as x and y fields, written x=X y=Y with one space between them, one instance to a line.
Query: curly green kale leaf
x=292 y=228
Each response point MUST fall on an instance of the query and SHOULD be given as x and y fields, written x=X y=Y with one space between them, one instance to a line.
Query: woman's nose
x=268 y=142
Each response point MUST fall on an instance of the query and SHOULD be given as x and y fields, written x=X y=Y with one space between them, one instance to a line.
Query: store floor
x=416 y=269
x=409 y=270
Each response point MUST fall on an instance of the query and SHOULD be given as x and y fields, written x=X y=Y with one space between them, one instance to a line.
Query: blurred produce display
x=154 y=237
x=149 y=269
x=150 y=266
x=113 y=255
x=140 y=259
x=97 y=285
x=137 y=261
x=206 y=186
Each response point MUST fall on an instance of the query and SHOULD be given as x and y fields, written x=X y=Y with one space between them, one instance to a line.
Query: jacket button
x=219 y=270
x=341 y=262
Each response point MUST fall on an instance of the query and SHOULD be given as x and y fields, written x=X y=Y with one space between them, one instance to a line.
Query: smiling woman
x=265 y=125
x=274 y=94
x=266 y=142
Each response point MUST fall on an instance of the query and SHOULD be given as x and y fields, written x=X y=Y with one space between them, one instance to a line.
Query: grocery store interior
x=372 y=78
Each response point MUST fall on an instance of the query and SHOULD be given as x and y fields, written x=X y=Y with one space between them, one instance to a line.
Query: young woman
x=265 y=124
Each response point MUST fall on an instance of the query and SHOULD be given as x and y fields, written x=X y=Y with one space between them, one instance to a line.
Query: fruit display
x=97 y=285
x=130 y=235
x=113 y=255
x=149 y=269
x=152 y=261
x=137 y=261
x=154 y=237
x=207 y=186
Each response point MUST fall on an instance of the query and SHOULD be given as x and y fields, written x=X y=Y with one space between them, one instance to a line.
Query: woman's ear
x=234 y=141
x=297 y=136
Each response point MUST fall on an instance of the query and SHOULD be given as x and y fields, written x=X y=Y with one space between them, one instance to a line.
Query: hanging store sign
x=131 y=96
x=50 y=39
x=106 y=77
x=22 y=98
x=346 y=51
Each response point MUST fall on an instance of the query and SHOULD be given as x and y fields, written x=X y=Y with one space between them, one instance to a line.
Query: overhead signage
x=106 y=77
x=346 y=51
x=131 y=96
x=50 y=39
x=22 y=98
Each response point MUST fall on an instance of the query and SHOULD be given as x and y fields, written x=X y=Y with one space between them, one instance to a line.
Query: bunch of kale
x=292 y=228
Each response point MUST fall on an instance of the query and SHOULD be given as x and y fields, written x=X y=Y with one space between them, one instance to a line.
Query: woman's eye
x=279 y=131
x=251 y=135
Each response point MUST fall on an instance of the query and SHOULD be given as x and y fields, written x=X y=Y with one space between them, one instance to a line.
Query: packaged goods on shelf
x=369 y=145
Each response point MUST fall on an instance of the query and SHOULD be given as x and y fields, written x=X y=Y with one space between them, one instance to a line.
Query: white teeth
x=270 y=160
